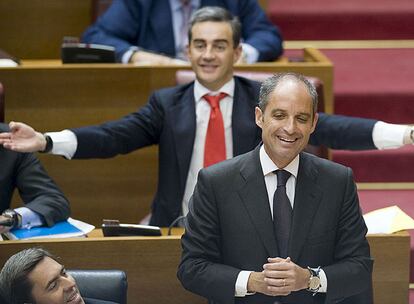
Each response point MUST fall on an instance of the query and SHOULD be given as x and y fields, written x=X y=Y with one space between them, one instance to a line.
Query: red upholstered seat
x=343 y=20
x=395 y=165
x=98 y=8
x=374 y=83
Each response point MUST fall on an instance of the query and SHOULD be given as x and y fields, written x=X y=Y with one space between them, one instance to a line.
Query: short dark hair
x=216 y=14
x=15 y=286
x=270 y=84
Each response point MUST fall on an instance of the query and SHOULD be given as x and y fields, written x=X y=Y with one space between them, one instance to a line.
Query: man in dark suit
x=44 y=203
x=35 y=276
x=252 y=236
x=177 y=120
x=138 y=27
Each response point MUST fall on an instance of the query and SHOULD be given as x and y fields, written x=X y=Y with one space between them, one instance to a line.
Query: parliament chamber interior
x=361 y=51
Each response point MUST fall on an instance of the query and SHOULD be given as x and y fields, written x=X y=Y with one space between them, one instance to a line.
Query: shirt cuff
x=252 y=54
x=128 y=54
x=65 y=143
x=29 y=218
x=324 y=281
x=388 y=136
x=241 y=284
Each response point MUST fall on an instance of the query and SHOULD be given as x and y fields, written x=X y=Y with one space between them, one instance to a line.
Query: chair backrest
x=1 y=102
x=98 y=8
x=186 y=76
x=107 y=285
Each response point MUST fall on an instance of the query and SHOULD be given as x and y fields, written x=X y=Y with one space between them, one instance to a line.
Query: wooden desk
x=151 y=264
x=52 y=96
x=35 y=29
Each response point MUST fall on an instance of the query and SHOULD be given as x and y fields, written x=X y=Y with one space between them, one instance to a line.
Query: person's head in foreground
x=35 y=276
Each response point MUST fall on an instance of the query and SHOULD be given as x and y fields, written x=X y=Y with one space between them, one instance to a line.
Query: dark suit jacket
x=148 y=24
x=37 y=190
x=229 y=228
x=169 y=120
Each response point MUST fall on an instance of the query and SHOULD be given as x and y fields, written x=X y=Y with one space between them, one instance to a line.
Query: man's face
x=212 y=54
x=287 y=121
x=52 y=285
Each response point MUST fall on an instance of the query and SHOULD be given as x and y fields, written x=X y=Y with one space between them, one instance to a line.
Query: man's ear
x=188 y=50
x=238 y=51
x=259 y=117
x=315 y=121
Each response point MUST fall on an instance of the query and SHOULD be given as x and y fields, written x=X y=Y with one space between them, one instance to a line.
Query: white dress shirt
x=202 y=118
x=268 y=167
x=388 y=136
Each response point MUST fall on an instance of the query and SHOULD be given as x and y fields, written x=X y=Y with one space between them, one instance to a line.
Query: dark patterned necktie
x=282 y=213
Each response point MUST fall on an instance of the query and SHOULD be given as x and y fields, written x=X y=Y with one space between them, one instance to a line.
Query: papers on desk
x=8 y=63
x=388 y=220
x=64 y=229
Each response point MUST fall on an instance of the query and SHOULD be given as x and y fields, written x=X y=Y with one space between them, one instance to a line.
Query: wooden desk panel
x=151 y=264
x=51 y=96
x=35 y=29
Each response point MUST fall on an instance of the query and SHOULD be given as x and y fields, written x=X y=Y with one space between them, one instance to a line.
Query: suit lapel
x=307 y=199
x=253 y=194
x=183 y=128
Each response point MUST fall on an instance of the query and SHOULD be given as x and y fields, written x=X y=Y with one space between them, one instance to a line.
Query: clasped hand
x=279 y=278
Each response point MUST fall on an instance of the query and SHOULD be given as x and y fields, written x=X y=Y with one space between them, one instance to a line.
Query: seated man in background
x=178 y=120
x=35 y=276
x=156 y=31
x=44 y=202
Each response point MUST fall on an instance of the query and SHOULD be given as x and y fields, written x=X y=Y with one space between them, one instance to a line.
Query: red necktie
x=215 y=147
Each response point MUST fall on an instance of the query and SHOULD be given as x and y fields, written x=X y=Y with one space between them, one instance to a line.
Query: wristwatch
x=314 y=281
x=14 y=216
x=49 y=144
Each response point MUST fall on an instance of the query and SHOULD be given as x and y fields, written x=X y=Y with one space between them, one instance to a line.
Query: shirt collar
x=268 y=166
x=200 y=90
x=176 y=5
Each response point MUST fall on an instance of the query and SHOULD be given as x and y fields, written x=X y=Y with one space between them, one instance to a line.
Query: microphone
x=181 y=217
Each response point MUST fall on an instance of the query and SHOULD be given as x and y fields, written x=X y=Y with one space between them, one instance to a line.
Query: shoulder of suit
x=171 y=91
x=323 y=163
x=247 y=82
x=229 y=165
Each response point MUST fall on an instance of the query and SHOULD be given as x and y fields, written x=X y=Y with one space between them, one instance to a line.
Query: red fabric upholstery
x=395 y=165
x=343 y=20
x=376 y=199
x=1 y=103
x=374 y=83
x=98 y=8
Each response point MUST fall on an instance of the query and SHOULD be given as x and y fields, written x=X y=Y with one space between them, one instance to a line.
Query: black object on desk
x=114 y=228
x=74 y=52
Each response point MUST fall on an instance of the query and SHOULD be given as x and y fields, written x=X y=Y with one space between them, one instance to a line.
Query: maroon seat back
x=186 y=76
x=98 y=8
x=1 y=102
